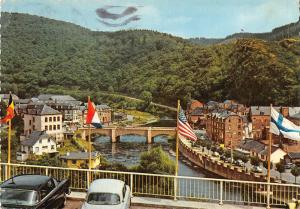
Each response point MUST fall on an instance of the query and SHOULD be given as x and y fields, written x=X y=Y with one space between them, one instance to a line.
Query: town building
x=43 y=118
x=225 y=127
x=253 y=147
x=192 y=105
x=277 y=154
x=260 y=118
x=260 y=150
x=37 y=143
x=197 y=118
x=67 y=105
x=292 y=157
x=81 y=159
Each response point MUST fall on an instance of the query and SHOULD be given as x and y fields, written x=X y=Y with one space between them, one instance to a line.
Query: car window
x=103 y=199
x=18 y=197
x=47 y=188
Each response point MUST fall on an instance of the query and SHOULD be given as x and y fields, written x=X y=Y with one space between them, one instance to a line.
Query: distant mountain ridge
x=279 y=33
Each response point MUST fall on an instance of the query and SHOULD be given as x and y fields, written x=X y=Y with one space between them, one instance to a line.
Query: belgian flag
x=10 y=111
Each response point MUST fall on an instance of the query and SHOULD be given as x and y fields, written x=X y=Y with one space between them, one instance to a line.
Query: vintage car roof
x=107 y=185
x=32 y=182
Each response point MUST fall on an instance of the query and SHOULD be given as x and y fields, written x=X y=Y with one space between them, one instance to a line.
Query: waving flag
x=184 y=129
x=10 y=111
x=92 y=115
x=279 y=124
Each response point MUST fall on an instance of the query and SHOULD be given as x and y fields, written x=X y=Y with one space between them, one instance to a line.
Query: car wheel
x=63 y=204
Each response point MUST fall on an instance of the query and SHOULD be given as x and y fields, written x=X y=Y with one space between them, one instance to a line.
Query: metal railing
x=167 y=186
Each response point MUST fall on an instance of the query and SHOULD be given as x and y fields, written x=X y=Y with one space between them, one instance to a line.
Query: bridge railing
x=167 y=186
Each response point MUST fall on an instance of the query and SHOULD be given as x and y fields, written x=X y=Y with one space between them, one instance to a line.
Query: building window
x=50 y=119
x=46 y=119
x=44 y=147
x=54 y=127
x=33 y=127
x=73 y=161
x=40 y=141
x=240 y=120
x=30 y=122
x=239 y=126
x=58 y=127
x=50 y=128
x=54 y=119
x=239 y=133
x=46 y=128
x=52 y=146
x=48 y=140
x=58 y=118
x=33 y=119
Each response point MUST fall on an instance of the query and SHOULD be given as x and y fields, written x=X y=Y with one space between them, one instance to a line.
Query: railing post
x=221 y=193
x=46 y=172
x=131 y=184
x=6 y=171
x=88 y=179
x=175 y=187
x=268 y=195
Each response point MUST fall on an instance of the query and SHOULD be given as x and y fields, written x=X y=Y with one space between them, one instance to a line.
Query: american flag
x=184 y=129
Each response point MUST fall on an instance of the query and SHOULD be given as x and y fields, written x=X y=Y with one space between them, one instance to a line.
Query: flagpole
x=177 y=150
x=269 y=161
x=90 y=150
x=177 y=139
x=9 y=148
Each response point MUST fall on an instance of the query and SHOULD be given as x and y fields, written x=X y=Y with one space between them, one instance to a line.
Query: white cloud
x=270 y=13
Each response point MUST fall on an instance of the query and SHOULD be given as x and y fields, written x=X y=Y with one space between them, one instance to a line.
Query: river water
x=128 y=151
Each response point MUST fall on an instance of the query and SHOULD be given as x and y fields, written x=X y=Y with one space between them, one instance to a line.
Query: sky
x=184 y=18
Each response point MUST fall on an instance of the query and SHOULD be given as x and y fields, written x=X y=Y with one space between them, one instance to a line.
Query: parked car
x=239 y=163
x=256 y=169
x=216 y=154
x=223 y=157
x=34 y=192
x=289 y=165
x=107 y=193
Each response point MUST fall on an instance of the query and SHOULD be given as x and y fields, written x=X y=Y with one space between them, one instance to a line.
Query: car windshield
x=103 y=199
x=18 y=196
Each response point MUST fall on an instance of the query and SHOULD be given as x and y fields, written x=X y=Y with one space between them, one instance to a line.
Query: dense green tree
x=280 y=168
x=156 y=161
x=295 y=172
x=255 y=161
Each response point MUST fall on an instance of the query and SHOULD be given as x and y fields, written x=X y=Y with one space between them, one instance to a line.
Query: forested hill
x=40 y=52
x=277 y=34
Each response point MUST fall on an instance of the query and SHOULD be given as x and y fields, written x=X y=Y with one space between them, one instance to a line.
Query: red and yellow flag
x=10 y=111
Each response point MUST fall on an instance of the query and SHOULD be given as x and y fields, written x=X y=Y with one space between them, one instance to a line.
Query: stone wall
x=216 y=167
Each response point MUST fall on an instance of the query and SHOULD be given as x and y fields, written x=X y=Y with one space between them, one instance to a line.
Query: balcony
x=187 y=190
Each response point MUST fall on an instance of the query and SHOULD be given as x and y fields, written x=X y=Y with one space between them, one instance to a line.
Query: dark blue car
x=33 y=192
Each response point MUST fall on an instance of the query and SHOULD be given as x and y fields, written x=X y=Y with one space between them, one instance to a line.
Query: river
x=128 y=151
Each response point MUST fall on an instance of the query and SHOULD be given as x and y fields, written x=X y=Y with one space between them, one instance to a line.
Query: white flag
x=279 y=124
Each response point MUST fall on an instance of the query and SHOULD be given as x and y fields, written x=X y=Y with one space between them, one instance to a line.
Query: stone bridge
x=115 y=132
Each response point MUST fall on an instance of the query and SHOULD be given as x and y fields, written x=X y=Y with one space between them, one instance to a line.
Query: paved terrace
x=75 y=201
